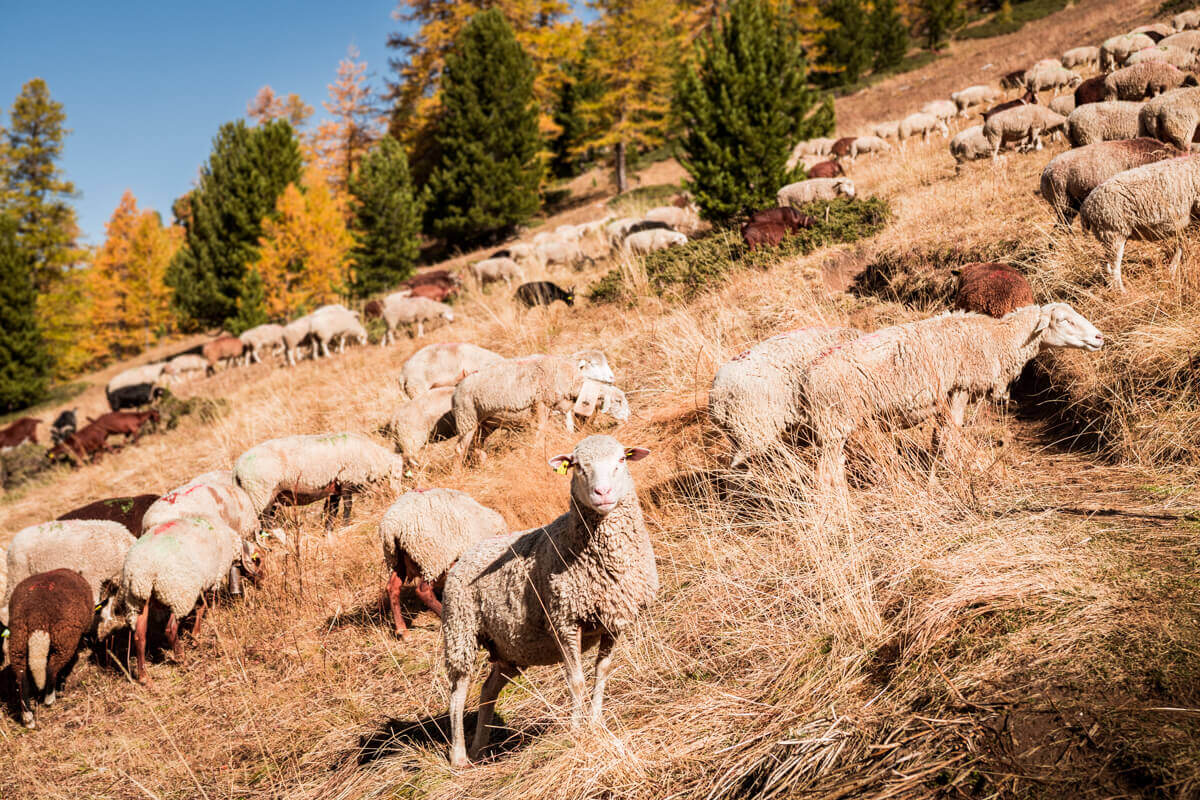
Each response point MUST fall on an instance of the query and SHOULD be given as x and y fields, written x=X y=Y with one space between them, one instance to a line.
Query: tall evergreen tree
x=579 y=88
x=744 y=106
x=845 y=44
x=939 y=18
x=889 y=35
x=24 y=363
x=387 y=220
x=247 y=171
x=486 y=180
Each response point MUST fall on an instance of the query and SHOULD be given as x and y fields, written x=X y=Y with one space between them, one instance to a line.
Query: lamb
x=1154 y=201
x=1063 y=104
x=1148 y=79
x=212 y=494
x=409 y=310
x=94 y=548
x=174 y=564
x=298 y=470
x=1042 y=77
x=51 y=611
x=644 y=242
x=992 y=288
x=438 y=365
x=684 y=220
x=1026 y=123
x=972 y=96
x=927 y=370
x=424 y=533
x=1172 y=117
x=529 y=604
x=942 y=109
x=491 y=270
x=127 y=511
x=416 y=420
x=186 y=365
x=921 y=124
x=268 y=337
x=868 y=144
x=1071 y=176
x=753 y=397
x=1186 y=20
x=1164 y=53
x=335 y=322
x=1103 y=122
x=1116 y=49
x=797 y=195
x=887 y=130
x=970 y=144
x=1088 y=56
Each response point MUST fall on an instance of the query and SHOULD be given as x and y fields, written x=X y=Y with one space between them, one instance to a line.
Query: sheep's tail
x=39 y=657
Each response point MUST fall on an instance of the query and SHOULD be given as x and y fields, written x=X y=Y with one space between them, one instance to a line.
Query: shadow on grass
x=394 y=736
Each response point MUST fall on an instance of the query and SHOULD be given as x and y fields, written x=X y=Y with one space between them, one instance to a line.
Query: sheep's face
x=252 y=560
x=846 y=187
x=615 y=405
x=1062 y=326
x=594 y=364
x=601 y=477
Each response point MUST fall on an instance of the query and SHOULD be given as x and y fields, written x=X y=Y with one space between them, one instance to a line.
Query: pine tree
x=252 y=304
x=846 y=47
x=247 y=171
x=889 y=35
x=939 y=18
x=24 y=362
x=744 y=106
x=387 y=220
x=486 y=180
x=342 y=142
x=579 y=87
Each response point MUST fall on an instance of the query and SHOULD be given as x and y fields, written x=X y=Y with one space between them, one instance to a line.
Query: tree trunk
x=622 y=180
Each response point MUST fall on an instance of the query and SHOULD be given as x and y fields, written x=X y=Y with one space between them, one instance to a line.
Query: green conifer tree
x=889 y=35
x=24 y=362
x=845 y=44
x=387 y=220
x=939 y=18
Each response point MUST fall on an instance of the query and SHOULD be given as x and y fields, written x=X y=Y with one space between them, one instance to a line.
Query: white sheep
x=1087 y=56
x=1154 y=201
x=972 y=96
x=1167 y=54
x=1070 y=177
x=416 y=420
x=444 y=364
x=1116 y=49
x=753 y=399
x=1186 y=20
x=567 y=233
x=644 y=242
x=820 y=146
x=944 y=110
x=615 y=231
x=268 y=337
x=185 y=366
x=1103 y=122
x=295 y=334
x=868 y=144
x=1064 y=104
x=399 y=311
x=529 y=604
x=928 y=370
x=813 y=190
x=424 y=533
x=147 y=373
x=922 y=124
x=1172 y=117
x=335 y=322
x=684 y=220
x=970 y=144
x=1160 y=29
x=557 y=251
x=1184 y=40
x=887 y=130
x=1148 y=79
x=214 y=494
x=1024 y=123
x=1044 y=77
x=504 y=269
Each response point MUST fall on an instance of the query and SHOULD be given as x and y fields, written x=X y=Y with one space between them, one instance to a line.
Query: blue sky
x=145 y=85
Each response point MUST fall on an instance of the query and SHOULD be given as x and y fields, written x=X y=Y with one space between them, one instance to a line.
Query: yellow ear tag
x=562 y=468
x=5 y=634
x=97 y=608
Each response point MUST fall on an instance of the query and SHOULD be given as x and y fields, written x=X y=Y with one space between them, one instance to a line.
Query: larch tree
x=742 y=106
x=487 y=176
x=267 y=106
x=245 y=174
x=342 y=141
x=24 y=361
x=304 y=260
x=387 y=219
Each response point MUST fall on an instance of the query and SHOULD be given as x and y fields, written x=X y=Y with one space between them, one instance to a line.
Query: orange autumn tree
x=341 y=142
x=268 y=106
x=304 y=260
x=130 y=302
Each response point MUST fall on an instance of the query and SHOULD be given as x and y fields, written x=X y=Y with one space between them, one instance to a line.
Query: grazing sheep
x=1071 y=176
x=928 y=370
x=770 y=234
x=820 y=146
x=1166 y=54
x=19 y=432
x=970 y=144
x=992 y=288
x=1029 y=98
x=866 y=144
x=1155 y=30
x=1063 y=104
x=644 y=242
x=555 y=251
x=399 y=311
x=416 y=420
x=446 y=364
x=298 y=470
x=1148 y=79
x=1023 y=124
x=841 y=148
x=1185 y=40
x=147 y=373
x=1116 y=49
x=268 y=337
x=226 y=349
x=887 y=130
x=424 y=533
x=51 y=611
x=85 y=445
x=335 y=322
x=126 y=511
x=684 y=220
x=1103 y=122
x=491 y=270
x=544 y=293
x=1013 y=80
x=127 y=423
x=801 y=193
x=528 y=603
x=1090 y=91
x=942 y=109
x=790 y=218
x=1088 y=56
x=972 y=96
x=94 y=548
x=1172 y=117
x=615 y=231
x=213 y=494
x=296 y=334
x=1154 y=201
x=922 y=124
x=186 y=365
x=826 y=169
x=753 y=398
x=1050 y=76
x=1186 y=20
x=435 y=292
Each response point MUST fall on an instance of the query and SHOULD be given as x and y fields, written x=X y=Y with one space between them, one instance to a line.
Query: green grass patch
x=1021 y=13
x=59 y=393
x=681 y=273
x=1176 y=6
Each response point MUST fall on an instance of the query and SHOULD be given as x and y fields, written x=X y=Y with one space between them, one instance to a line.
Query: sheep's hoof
x=403 y=635
x=49 y=699
x=28 y=720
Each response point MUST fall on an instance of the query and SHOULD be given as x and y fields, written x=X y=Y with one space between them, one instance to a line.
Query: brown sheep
x=373 y=309
x=841 y=148
x=1013 y=80
x=826 y=169
x=434 y=291
x=757 y=234
x=992 y=288
x=220 y=349
x=84 y=445
x=1090 y=91
x=1027 y=99
x=127 y=511
x=129 y=423
x=23 y=429
x=48 y=615
x=441 y=277
x=784 y=215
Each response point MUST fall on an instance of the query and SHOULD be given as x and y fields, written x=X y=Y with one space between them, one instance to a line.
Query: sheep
x=262 y=337
x=1153 y=201
x=1026 y=123
x=796 y=195
x=615 y=231
x=945 y=110
x=339 y=323
x=128 y=511
x=408 y=310
x=513 y=390
x=559 y=252
x=928 y=370
x=174 y=564
x=568 y=233
x=790 y=218
x=969 y=144
x=446 y=364
x=188 y=364
x=972 y=96
x=226 y=349
x=644 y=242
x=544 y=293
x=1071 y=176
x=1155 y=30
x=213 y=494
x=992 y=288
x=410 y=427
x=820 y=146
x=491 y=270
x=684 y=220
x=147 y=373
x=130 y=424
x=1103 y=122
x=298 y=470
x=1063 y=104
x=841 y=147
x=826 y=169
x=424 y=533
x=887 y=130
x=1148 y=79
x=94 y=548
x=1186 y=20
x=1088 y=56
x=921 y=124
x=753 y=397
x=1029 y=98
x=1185 y=40
x=1090 y=91
x=1166 y=54
x=1171 y=117
x=868 y=144
x=51 y=612
x=1116 y=49
x=528 y=604
x=1043 y=77
x=295 y=334
x=758 y=234
x=64 y=425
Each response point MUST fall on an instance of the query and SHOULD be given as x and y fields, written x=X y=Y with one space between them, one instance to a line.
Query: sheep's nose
x=602 y=492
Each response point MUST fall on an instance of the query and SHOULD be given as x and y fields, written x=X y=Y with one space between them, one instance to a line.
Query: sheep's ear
x=636 y=453
x=1043 y=321
x=562 y=463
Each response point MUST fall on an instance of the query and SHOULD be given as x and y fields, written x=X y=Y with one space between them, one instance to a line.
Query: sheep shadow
x=376 y=613
x=396 y=735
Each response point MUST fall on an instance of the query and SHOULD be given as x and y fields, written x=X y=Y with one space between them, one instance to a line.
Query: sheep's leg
x=420 y=328
x=428 y=597
x=1173 y=267
x=139 y=643
x=199 y=615
x=1114 y=265
x=603 y=667
x=347 y=505
x=173 y=637
x=329 y=512
x=569 y=644
x=28 y=701
x=831 y=466
x=324 y=347
x=458 y=701
x=394 y=585
x=499 y=677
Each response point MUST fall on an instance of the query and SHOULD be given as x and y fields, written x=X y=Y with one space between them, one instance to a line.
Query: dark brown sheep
x=1013 y=80
x=48 y=614
x=129 y=423
x=757 y=234
x=826 y=169
x=992 y=288
x=126 y=510
x=441 y=277
x=84 y=445
x=1090 y=91
x=434 y=291
x=221 y=349
x=841 y=148
x=373 y=309
x=23 y=429
x=1029 y=98
x=788 y=216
